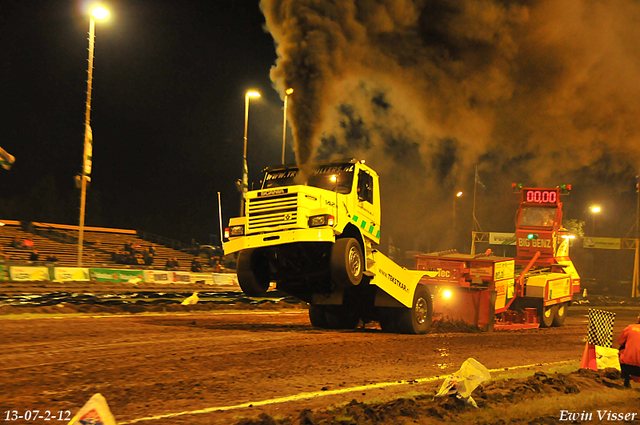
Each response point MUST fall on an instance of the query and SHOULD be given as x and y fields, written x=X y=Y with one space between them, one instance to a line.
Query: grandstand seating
x=98 y=246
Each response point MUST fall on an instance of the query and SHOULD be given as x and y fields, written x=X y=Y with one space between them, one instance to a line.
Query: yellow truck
x=315 y=237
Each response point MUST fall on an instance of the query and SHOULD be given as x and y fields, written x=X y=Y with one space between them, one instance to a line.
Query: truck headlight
x=321 y=220
x=236 y=231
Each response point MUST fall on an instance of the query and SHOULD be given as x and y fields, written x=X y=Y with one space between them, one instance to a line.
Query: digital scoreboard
x=540 y=196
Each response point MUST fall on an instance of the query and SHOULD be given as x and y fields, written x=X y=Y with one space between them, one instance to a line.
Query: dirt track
x=149 y=365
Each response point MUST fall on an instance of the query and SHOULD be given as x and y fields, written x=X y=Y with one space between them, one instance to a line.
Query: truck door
x=366 y=214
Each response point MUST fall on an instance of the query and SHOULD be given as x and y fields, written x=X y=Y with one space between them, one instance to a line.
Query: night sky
x=167 y=112
x=538 y=92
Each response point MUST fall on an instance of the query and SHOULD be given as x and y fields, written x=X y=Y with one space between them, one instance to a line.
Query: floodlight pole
x=86 y=168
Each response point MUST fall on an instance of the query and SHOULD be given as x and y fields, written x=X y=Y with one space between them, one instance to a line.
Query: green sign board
x=116 y=275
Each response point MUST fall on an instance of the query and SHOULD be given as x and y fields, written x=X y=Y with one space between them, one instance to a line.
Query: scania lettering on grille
x=272 y=192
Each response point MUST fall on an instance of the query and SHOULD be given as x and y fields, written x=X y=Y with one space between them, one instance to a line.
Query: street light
x=245 y=169
x=458 y=194
x=595 y=209
x=287 y=93
x=97 y=13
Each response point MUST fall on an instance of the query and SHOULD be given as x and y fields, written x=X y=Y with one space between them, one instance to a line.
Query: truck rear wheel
x=347 y=262
x=253 y=273
x=417 y=319
x=547 y=315
x=387 y=319
x=561 y=314
x=341 y=317
x=318 y=317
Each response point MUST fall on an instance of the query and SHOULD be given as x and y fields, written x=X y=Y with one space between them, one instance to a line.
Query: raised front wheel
x=347 y=262
x=253 y=273
x=417 y=319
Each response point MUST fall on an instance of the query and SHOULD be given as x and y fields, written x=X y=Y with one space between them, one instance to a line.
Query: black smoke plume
x=541 y=92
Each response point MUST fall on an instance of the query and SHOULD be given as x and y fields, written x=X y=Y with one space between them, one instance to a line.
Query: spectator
x=34 y=256
x=152 y=250
x=53 y=258
x=148 y=257
x=171 y=264
x=214 y=262
x=128 y=247
x=17 y=243
x=196 y=267
x=630 y=353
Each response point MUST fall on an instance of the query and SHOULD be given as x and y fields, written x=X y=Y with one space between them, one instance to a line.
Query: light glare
x=99 y=12
x=253 y=94
x=446 y=294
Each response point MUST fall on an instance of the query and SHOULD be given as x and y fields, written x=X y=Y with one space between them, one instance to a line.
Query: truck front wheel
x=253 y=273
x=318 y=317
x=417 y=319
x=347 y=262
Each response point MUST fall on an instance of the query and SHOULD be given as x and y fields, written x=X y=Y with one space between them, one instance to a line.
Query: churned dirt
x=239 y=361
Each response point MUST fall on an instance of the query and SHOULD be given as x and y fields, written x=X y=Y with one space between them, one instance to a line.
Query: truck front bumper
x=319 y=234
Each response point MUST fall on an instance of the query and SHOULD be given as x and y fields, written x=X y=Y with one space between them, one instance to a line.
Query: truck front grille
x=275 y=211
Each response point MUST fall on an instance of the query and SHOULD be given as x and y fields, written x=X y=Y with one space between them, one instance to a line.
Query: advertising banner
x=68 y=274
x=116 y=275
x=3 y=272
x=206 y=278
x=22 y=274
x=502 y=238
x=158 y=276
x=181 y=277
x=225 y=279
x=602 y=243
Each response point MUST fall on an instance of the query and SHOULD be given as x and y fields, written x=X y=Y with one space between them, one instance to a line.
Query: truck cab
x=307 y=230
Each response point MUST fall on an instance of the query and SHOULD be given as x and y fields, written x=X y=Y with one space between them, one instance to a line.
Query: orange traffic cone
x=589 y=357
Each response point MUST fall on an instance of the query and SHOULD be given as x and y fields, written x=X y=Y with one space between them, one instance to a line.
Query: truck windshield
x=338 y=177
x=534 y=216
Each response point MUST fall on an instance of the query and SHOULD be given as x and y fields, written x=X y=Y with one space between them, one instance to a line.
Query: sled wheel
x=561 y=314
x=417 y=319
x=347 y=262
x=318 y=316
x=341 y=317
x=253 y=273
x=547 y=315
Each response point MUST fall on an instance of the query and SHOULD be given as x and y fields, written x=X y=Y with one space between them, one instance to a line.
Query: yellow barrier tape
x=303 y=396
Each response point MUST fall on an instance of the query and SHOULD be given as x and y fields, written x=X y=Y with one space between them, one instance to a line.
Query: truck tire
x=253 y=273
x=341 y=317
x=561 y=314
x=318 y=316
x=387 y=319
x=547 y=315
x=347 y=262
x=417 y=319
